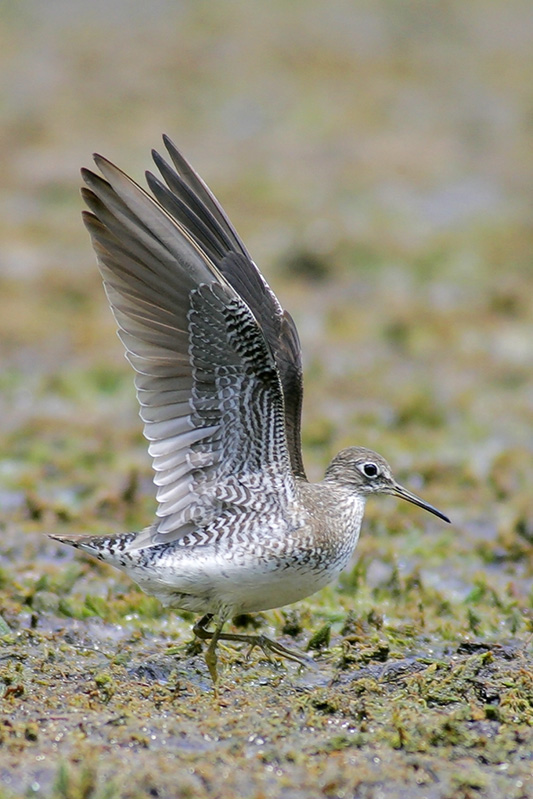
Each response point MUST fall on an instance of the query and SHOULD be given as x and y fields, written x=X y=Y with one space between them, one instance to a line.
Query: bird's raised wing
x=207 y=381
x=189 y=201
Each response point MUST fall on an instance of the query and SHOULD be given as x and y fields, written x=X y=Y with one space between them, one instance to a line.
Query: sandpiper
x=239 y=528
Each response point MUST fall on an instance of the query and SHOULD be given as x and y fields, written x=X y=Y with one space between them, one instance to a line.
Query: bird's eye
x=370 y=469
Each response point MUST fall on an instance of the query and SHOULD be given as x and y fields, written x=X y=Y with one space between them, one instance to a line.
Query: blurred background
x=377 y=160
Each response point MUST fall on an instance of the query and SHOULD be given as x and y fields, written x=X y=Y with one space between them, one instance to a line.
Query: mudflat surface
x=377 y=161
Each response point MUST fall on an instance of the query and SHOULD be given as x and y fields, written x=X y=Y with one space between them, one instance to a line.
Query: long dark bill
x=403 y=493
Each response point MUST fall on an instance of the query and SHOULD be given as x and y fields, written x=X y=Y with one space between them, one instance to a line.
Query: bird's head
x=368 y=473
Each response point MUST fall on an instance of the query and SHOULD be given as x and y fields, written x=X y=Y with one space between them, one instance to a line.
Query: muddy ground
x=377 y=160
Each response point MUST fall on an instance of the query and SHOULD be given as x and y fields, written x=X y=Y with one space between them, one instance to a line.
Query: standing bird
x=239 y=528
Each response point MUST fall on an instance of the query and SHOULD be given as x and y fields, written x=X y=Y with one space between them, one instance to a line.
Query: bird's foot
x=211 y=661
x=267 y=645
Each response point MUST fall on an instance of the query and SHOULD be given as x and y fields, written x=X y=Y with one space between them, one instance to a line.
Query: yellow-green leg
x=262 y=641
x=210 y=653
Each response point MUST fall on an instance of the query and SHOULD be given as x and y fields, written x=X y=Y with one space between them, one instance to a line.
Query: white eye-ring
x=369 y=469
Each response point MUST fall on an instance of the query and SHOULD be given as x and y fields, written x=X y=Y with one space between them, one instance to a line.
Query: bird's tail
x=109 y=548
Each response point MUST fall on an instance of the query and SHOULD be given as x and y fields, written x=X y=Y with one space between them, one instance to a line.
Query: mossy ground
x=377 y=161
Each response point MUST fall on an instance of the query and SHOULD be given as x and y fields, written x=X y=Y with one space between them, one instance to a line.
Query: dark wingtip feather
x=86 y=174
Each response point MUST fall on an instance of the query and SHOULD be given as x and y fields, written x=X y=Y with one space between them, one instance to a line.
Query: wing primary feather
x=181 y=192
x=204 y=193
x=204 y=236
